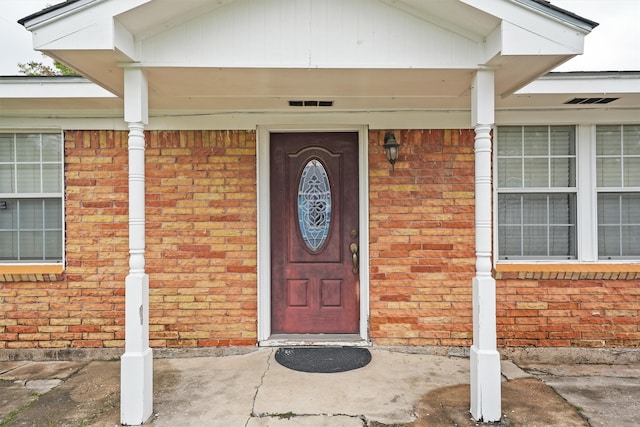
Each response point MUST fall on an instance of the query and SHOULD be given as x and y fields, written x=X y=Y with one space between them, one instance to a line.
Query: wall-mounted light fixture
x=391 y=148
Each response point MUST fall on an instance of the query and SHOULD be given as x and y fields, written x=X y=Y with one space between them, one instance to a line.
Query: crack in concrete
x=255 y=396
x=290 y=415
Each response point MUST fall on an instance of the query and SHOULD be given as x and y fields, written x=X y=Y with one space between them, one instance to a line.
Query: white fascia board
x=528 y=31
x=582 y=84
x=521 y=41
x=40 y=88
x=525 y=16
x=91 y=25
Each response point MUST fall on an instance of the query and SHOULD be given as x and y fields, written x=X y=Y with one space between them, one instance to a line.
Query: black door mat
x=323 y=359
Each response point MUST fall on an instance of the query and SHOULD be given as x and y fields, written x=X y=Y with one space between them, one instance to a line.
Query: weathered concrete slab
x=13 y=397
x=253 y=390
x=606 y=395
x=6 y=366
x=310 y=421
x=511 y=371
x=386 y=390
x=78 y=400
x=197 y=391
x=41 y=371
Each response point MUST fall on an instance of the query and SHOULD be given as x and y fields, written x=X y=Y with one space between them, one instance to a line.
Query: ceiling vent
x=310 y=103
x=591 y=100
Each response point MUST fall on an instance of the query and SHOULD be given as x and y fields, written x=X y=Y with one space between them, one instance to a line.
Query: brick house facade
x=231 y=187
x=202 y=221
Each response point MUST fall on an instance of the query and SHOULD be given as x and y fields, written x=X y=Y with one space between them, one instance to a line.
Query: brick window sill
x=567 y=271
x=31 y=273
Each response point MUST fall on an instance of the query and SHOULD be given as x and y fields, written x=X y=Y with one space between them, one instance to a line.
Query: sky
x=612 y=46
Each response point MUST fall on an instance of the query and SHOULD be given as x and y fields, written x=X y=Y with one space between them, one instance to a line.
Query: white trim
x=264 y=237
x=587 y=215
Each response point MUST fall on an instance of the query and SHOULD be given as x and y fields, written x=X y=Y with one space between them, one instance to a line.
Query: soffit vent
x=591 y=100
x=310 y=103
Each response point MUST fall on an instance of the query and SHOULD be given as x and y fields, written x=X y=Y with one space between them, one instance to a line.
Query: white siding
x=309 y=33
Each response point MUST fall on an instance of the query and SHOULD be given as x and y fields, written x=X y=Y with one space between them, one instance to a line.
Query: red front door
x=314 y=233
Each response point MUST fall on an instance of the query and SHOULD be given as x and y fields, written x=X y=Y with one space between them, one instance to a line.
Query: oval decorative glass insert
x=314 y=205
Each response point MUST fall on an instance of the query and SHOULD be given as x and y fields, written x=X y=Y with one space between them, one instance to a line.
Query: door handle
x=354 y=257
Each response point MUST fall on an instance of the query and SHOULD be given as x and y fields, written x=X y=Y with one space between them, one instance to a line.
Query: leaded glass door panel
x=314 y=233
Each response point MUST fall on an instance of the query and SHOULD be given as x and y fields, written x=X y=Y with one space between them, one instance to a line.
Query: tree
x=35 y=68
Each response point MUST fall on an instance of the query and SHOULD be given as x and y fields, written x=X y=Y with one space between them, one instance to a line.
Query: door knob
x=354 y=257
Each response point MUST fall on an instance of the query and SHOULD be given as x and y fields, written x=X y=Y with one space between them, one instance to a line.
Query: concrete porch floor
x=397 y=388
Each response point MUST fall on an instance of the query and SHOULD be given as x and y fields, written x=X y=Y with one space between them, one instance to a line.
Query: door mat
x=323 y=359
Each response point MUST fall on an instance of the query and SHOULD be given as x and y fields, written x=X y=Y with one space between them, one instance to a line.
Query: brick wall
x=201 y=253
x=201 y=246
x=546 y=312
x=422 y=238
x=201 y=238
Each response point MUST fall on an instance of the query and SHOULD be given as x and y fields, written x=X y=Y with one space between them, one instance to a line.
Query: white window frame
x=41 y=196
x=587 y=196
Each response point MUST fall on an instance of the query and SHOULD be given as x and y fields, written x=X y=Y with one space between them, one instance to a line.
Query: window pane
x=31 y=244
x=6 y=148
x=547 y=228
x=632 y=172
x=562 y=141
x=618 y=225
x=631 y=137
x=535 y=209
x=53 y=245
x=608 y=140
x=9 y=246
x=51 y=148
x=535 y=241
x=562 y=241
x=510 y=141
x=562 y=209
x=608 y=241
x=28 y=178
x=510 y=173
x=9 y=217
x=536 y=172
x=52 y=178
x=7 y=179
x=608 y=209
x=510 y=209
x=630 y=245
x=509 y=241
x=630 y=208
x=53 y=214
x=563 y=172
x=30 y=214
x=536 y=141
x=608 y=172
x=28 y=147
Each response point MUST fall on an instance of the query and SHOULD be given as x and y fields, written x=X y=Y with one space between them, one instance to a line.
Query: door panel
x=314 y=220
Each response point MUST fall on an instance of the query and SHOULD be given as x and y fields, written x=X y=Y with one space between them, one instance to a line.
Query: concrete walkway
x=253 y=390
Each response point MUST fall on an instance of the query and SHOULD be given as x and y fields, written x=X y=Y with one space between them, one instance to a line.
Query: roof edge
x=590 y=74
x=67 y=5
x=560 y=13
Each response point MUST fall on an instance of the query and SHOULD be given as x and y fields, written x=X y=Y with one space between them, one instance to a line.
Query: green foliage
x=35 y=68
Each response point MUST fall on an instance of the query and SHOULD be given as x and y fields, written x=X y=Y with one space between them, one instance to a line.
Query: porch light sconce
x=391 y=148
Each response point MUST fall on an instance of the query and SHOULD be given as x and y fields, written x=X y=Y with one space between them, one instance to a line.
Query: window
x=618 y=182
x=31 y=194
x=568 y=192
x=537 y=192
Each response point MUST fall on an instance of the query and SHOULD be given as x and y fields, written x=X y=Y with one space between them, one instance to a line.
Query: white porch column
x=136 y=366
x=485 y=359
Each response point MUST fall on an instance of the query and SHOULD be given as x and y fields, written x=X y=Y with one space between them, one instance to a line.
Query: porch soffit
x=365 y=53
